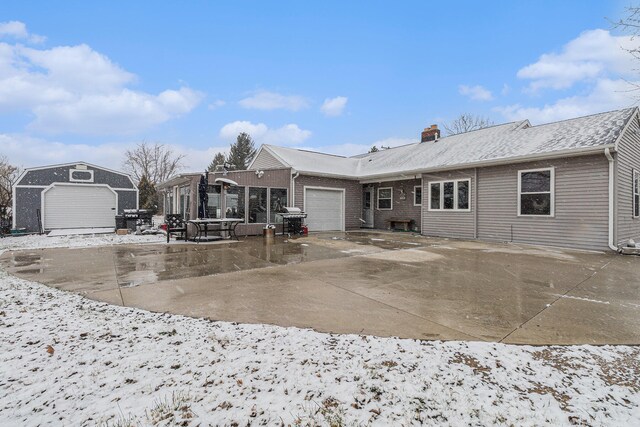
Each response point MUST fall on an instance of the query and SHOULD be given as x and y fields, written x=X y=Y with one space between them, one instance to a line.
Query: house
x=573 y=183
x=72 y=195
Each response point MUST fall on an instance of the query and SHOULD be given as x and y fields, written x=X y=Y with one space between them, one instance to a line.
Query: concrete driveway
x=387 y=284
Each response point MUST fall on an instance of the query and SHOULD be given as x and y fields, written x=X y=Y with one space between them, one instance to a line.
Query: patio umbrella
x=203 y=197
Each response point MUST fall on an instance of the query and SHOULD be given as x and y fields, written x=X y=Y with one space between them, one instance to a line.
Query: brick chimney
x=430 y=134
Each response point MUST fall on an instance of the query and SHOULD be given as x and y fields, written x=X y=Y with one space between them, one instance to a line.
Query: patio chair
x=175 y=224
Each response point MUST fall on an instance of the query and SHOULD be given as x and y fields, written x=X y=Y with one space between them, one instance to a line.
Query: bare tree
x=8 y=176
x=466 y=122
x=155 y=161
x=630 y=25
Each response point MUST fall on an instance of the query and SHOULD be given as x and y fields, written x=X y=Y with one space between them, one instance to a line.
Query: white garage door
x=325 y=210
x=79 y=206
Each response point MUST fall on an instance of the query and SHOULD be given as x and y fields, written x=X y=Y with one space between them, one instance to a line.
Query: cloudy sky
x=87 y=80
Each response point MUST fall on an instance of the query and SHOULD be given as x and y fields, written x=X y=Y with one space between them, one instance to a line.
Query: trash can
x=268 y=233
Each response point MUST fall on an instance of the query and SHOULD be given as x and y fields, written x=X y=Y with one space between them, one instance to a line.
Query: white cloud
x=18 y=30
x=216 y=104
x=476 y=93
x=74 y=89
x=289 y=134
x=591 y=55
x=98 y=114
x=265 y=100
x=595 y=63
x=334 y=107
x=27 y=151
x=606 y=95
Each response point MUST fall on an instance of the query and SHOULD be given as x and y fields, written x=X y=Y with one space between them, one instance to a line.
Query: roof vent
x=430 y=134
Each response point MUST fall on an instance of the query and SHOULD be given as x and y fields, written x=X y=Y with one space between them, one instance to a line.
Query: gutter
x=611 y=239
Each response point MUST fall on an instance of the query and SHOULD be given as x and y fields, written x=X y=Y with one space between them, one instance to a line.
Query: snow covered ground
x=65 y=360
x=34 y=241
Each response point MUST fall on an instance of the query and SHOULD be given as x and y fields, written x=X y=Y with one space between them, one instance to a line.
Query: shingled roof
x=505 y=143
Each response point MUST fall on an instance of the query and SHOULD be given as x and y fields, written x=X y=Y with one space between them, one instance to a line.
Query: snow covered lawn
x=35 y=241
x=65 y=360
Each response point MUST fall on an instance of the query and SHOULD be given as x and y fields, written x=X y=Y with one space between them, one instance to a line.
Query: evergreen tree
x=373 y=149
x=241 y=152
x=218 y=160
x=148 y=195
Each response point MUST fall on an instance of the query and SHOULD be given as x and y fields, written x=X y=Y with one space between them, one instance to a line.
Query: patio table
x=221 y=225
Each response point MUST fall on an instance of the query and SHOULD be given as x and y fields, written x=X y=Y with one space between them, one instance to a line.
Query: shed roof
x=505 y=143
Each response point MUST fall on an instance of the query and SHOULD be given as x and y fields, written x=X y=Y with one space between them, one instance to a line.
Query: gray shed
x=73 y=195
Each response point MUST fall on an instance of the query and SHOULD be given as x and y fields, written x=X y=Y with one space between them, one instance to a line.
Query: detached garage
x=74 y=195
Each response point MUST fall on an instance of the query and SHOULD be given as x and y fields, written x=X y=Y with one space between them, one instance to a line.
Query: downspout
x=475 y=203
x=293 y=188
x=611 y=239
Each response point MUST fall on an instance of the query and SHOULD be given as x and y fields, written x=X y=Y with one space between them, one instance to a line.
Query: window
x=235 y=202
x=435 y=196
x=636 y=194
x=257 y=205
x=168 y=205
x=184 y=201
x=450 y=195
x=278 y=201
x=463 y=195
x=385 y=198
x=214 y=207
x=535 y=192
x=366 y=200
x=417 y=195
x=80 y=175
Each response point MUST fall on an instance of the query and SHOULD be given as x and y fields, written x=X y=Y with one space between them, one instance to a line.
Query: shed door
x=79 y=206
x=325 y=210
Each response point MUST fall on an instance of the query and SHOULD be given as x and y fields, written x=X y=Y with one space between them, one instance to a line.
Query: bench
x=405 y=223
x=175 y=224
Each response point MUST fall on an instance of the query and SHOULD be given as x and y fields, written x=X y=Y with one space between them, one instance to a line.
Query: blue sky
x=86 y=80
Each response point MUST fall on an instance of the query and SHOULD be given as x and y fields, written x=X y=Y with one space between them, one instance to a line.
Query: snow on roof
x=496 y=144
x=312 y=162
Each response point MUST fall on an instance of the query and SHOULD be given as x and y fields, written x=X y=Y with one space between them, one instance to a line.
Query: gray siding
x=353 y=195
x=581 y=205
x=400 y=208
x=627 y=159
x=126 y=200
x=27 y=201
x=448 y=223
x=266 y=160
x=61 y=174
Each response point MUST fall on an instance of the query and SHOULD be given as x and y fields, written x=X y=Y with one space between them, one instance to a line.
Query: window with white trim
x=385 y=198
x=451 y=195
x=536 y=192
x=636 y=193
x=417 y=195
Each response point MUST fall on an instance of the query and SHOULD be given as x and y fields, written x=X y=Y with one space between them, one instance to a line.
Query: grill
x=292 y=220
x=137 y=217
